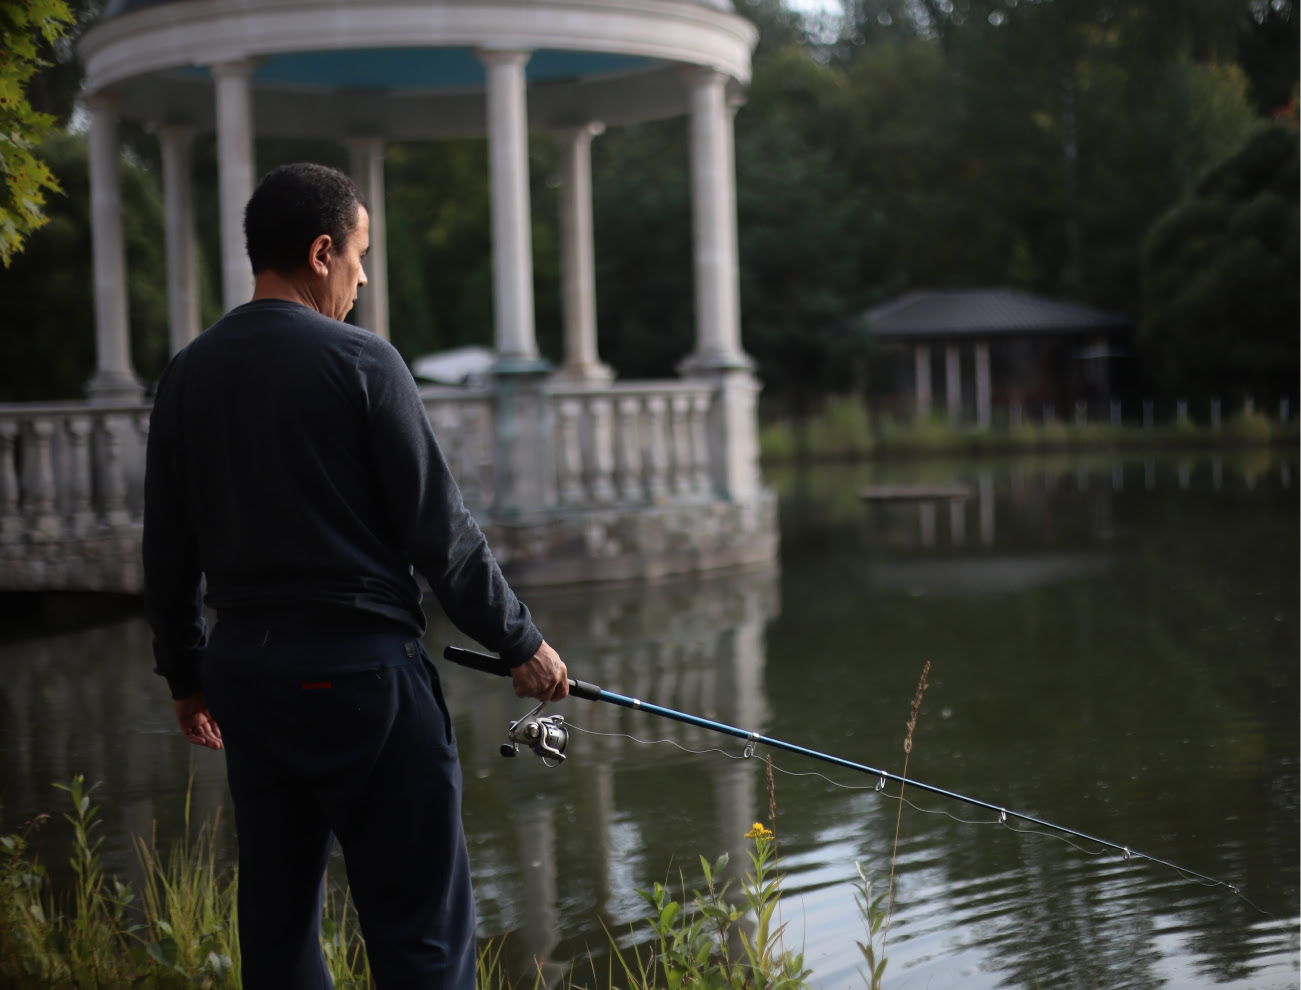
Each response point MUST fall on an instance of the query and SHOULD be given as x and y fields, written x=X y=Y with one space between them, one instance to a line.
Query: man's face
x=346 y=275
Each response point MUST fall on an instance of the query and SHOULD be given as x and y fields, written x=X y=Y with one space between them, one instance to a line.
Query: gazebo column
x=734 y=451
x=114 y=377
x=508 y=166
x=953 y=382
x=234 y=174
x=922 y=358
x=984 y=385
x=577 y=257
x=367 y=165
x=713 y=214
x=176 y=141
x=525 y=473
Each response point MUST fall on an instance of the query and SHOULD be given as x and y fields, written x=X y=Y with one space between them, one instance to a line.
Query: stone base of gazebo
x=103 y=562
x=639 y=544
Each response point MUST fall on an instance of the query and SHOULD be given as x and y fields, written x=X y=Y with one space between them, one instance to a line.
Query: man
x=291 y=464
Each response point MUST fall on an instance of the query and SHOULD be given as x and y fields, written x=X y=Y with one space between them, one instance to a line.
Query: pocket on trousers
x=436 y=688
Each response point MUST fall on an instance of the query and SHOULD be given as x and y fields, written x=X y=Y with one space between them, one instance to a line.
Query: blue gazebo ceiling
x=416 y=69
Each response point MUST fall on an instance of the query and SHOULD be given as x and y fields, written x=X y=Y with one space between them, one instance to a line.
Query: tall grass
x=181 y=931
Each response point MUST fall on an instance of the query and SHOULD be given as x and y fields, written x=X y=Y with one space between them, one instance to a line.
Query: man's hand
x=545 y=677
x=197 y=724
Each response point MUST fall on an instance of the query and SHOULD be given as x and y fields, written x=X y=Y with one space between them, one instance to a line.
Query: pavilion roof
x=985 y=312
x=115 y=7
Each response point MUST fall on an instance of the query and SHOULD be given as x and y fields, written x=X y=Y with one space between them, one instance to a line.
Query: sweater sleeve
x=429 y=516
x=173 y=575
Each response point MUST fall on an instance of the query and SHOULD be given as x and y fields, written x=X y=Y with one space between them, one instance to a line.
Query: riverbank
x=845 y=430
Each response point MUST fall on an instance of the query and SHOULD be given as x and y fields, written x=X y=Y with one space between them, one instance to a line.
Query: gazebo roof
x=983 y=313
x=115 y=7
x=410 y=69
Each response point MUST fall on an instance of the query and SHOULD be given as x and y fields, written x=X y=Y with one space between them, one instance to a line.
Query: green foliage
x=23 y=27
x=48 y=351
x=1221 y=295
x=694 y=946
x=190 y=907
x=874 y=920
x=345 y=952
x=182 y=931
x=844 y=430
x=642 y=215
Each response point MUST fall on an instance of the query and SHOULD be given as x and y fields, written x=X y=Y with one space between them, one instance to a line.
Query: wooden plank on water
x=913 y=493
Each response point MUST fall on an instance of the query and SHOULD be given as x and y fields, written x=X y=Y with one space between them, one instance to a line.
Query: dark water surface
x=1114 y=647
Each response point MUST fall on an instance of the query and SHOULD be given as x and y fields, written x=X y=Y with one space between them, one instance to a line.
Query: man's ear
x=318 y=258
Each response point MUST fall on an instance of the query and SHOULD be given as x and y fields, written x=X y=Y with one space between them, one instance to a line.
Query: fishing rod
x=547 y=736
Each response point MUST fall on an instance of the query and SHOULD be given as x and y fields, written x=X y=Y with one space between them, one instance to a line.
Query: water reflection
x=574 y=832
x=1114 y=644
x=1120 y=658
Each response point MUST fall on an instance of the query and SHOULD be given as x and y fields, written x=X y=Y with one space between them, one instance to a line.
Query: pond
x=1114 y=648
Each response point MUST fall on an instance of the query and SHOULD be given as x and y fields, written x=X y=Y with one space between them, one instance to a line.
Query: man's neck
x=273 y=285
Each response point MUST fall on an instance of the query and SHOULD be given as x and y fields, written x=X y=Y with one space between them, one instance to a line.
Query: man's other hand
x=545 y=677
x=196 y=722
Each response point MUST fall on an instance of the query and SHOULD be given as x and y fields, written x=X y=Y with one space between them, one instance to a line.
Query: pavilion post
x=512 y=250
x=953 y=382
x=733 y=439
x=176 y=142
x=114 y=377
x=984 y=385
x=525 y=475
x=922 y=378
x=713 y=213
x=367 y=166
x=577 y=256
x=235 y=165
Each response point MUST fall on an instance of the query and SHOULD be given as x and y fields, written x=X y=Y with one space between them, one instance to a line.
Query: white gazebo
x=581 y=476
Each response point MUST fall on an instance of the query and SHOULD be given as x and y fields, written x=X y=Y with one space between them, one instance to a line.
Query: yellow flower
x=758 y=832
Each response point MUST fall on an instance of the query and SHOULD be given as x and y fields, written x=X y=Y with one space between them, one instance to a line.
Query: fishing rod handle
x=495 y=665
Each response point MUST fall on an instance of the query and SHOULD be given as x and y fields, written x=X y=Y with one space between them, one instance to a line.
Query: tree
x=23 y=26
x=47 y=349
x=1219 y=280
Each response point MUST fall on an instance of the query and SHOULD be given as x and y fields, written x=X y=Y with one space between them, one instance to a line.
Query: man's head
x=307 y=226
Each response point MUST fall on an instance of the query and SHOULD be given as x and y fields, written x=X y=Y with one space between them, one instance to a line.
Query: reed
x=907 y=752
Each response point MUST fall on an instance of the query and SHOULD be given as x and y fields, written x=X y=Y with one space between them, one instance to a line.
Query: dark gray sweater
x=292 y=463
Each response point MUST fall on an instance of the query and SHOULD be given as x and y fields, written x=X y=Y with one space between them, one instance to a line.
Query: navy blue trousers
x=347 y=736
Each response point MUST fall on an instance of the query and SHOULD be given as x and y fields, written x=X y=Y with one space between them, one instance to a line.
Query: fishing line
x=1187 y=876
x=547 y=736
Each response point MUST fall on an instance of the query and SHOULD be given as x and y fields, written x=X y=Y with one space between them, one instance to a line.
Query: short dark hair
x=291 y=207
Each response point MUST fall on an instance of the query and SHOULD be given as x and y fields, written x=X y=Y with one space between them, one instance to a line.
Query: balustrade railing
x=72 y=474
x=631 y=443
x=70 y=470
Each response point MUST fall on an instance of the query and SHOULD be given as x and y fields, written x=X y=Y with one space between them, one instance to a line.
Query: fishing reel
x=546 y=735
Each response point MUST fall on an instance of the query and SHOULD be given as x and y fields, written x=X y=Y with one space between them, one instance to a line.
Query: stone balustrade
x=71 y=495
x=631 y=444
x=628 y=476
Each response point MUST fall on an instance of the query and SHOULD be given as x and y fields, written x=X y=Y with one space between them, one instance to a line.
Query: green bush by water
x=844 y=430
